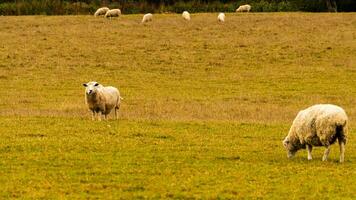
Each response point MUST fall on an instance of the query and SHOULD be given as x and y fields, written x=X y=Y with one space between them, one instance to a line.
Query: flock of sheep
x=318 y=125
x=109 y=13
x=117 y=12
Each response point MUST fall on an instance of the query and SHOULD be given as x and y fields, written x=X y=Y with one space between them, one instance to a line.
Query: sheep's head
x=291 y=149
x=91 y=87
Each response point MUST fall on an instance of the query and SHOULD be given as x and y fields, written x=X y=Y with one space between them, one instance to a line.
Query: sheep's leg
x=342 y=151
x=309 y=149
x=117 y=108
x=99 y=115
x=116 y=113
x=105 y=117
x=93 y=116
x=326 y=153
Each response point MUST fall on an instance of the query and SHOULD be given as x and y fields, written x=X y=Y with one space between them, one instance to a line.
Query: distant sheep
x=147 y=17
x=244 y=8
x=221 y=17
x=101 y=11
x=318 y=125
x=101 y=100
x=186 y=15
x=113 y=13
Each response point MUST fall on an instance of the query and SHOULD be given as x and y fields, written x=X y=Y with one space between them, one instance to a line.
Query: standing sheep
x=101 y=11
x=221 y=17
x=147 y=17
x=318 y=125
x=244 y=8
x=113 y=13
x=186 y=15
x=101 y=100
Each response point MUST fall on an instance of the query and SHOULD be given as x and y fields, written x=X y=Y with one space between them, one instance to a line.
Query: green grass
x=75 y=158
x=206 y=106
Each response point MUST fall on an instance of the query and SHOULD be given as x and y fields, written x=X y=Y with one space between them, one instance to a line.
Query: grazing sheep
x=101 y=11
x=186 y=15
x=221 y=17
x=318 y=125
x=147 y=17
x=101 y=100
x=244 y=8
x=113 y=13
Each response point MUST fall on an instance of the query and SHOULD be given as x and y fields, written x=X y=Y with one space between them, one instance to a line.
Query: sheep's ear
x=85 y=85
x=96 y=84
x=285 y=143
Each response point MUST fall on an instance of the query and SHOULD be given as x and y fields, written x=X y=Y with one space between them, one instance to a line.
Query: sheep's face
x=291 y=150
x=91 y=87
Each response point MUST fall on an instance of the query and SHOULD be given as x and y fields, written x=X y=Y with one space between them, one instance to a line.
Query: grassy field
x=206 y=106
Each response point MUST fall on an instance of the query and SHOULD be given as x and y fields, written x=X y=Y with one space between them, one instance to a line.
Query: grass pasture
x=206 y=106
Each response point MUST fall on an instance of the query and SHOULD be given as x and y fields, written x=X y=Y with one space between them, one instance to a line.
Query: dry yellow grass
x=254 y=67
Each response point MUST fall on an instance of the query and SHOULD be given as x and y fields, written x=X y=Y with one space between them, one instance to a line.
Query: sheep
x=186 y=15
x=101 y=100
x=318 y=125
x=147 y=17
x=221 y=17
x=101 y=11
x=113 y=13
x=244 y=8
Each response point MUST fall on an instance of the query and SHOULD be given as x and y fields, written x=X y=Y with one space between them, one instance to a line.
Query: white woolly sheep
x=147 y=17
x=113 y=13
x=221 y=17
x=101 y=100
x=101 y=11
x=244 y=8
x=318 y=125
x=186 y=15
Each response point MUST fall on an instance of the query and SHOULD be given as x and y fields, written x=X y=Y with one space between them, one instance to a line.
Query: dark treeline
x=64 y=7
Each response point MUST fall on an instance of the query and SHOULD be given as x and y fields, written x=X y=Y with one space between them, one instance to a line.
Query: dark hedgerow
x=70 y=7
